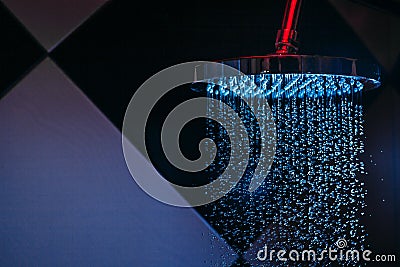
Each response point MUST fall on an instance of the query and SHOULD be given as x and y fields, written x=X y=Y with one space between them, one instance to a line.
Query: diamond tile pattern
x=19 y=51
x=59 y=204
x=51 y=21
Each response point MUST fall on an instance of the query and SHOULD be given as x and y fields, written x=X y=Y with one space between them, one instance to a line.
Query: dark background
x=124 y=43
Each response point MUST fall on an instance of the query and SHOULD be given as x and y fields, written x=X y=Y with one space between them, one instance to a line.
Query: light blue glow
x=288 y=85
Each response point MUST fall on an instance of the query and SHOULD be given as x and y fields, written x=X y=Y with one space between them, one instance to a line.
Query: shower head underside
x=297 y=76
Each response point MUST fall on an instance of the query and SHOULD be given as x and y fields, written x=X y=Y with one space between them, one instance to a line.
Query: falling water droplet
x=311 y=196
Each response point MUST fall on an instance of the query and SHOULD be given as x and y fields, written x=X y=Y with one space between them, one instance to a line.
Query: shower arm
x=286 y=39
x=285 y=59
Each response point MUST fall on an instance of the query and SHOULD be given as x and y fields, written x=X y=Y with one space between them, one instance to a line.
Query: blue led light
x=290 y=85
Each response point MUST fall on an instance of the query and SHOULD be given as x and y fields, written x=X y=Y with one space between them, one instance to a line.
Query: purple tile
x=67 y=198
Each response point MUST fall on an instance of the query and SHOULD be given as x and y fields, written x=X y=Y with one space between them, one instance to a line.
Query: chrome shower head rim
x=367 y=73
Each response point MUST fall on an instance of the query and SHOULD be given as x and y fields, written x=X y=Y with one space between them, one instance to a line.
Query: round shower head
x=339 y=68
x=295 y=76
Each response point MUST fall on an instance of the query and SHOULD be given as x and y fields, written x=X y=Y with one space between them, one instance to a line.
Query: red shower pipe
x=286 y=40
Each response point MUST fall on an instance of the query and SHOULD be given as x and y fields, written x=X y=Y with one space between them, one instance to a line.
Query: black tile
x=323 y=31
x=123 y=44
x=389 y=6
x=20 y=52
